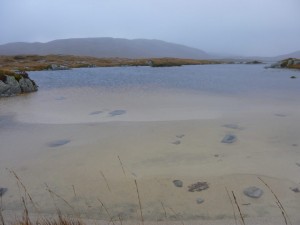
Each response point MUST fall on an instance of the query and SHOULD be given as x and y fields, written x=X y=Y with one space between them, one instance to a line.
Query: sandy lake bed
x=89 y=145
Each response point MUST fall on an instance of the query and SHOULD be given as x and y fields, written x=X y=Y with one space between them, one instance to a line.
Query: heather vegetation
x=167 y=62
x=37 y=62
x=16 y=75
x=290 y=63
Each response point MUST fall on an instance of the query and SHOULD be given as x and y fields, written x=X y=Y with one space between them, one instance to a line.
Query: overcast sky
x=243 y=27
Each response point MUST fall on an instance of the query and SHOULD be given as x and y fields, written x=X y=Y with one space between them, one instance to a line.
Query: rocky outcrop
x=27 y=85
x=58 y=67
x=287 y=63
x=14 y=85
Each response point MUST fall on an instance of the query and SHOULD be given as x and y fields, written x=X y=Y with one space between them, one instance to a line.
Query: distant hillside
x=290 y=55
x=105 y=47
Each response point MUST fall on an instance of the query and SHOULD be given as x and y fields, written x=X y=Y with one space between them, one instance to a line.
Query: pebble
x=176 y=142
x=246 y=203
x=296 y=190
x=58 y=143
x=232 y=126
x=2 y=191
x=199 y=186
x=117 y=112
x=180 y=136
x=253 y=192
x=95 y=113
x=280 y=115
x=229 y=138
x=60 y=98
x=178 y=183
x=199 y=200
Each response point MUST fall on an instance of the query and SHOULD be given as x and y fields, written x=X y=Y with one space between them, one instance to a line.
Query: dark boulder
x=16 y=83
x=2 y=191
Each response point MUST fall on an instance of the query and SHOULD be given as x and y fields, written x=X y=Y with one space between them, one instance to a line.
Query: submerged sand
x=84 y=154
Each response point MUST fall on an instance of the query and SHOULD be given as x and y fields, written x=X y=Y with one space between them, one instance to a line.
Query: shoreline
x=65 y=62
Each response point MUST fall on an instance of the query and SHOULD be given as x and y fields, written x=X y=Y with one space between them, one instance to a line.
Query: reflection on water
x=89 y=129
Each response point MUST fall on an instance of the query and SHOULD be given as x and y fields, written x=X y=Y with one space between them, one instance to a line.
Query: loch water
x=223 y=124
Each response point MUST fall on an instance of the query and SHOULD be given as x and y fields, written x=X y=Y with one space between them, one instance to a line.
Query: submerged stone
x=229 y=138
x=296 y=190
x=176 y=142
x=96 y=113
x=280 y=115
x=232 y=126
x=60 y=98
x=58 y=143
x=2 y=191
x=117 y=112
x=253 y=192
x=199 y=200
x=199 y=186
x=180 y=136
x=178 y=183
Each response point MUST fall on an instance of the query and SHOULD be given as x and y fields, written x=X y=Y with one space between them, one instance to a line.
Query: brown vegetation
x=289 y=63
x=167 y=62
x=18 y=75
x=38 y=62
x=60 y=219
x=295 y=66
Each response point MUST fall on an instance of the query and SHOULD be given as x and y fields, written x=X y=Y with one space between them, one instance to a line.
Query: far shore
x=61 y=62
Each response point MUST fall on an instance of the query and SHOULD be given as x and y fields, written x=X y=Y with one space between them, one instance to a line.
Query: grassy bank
x=290 y=63
x=7 y=72
x=37 y=62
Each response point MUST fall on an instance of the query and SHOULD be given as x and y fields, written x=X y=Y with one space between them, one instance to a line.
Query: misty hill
x=289 y=55
x=105 y=47
x=295 y=54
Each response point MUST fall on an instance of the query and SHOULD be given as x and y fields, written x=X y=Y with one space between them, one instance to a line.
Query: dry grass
x=239 y=209
x=285 y=62
x=278 y=203
x=140 y=204
x=231 y=202
x=122 y=166
x=60 y=219
x=104 y=178
x=167 y=62
x=295 y=66
x=38 y=62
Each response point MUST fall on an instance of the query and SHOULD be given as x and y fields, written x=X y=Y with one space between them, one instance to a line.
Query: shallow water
x=155 y=125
